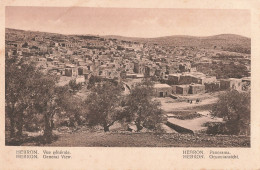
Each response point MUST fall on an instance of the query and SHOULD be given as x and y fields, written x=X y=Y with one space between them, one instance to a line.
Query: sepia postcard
x=130 y=85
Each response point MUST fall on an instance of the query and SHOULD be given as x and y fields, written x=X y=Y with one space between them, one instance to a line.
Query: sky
x=131 y=22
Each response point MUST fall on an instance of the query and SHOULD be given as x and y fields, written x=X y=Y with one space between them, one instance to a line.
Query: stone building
x=231 y=83
x=196 y=89
x=173 y=79
x=212 y=87
x=162 y=90
x=71 y=72
x=182 y=89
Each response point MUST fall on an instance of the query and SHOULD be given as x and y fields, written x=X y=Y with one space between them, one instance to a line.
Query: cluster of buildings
x=198 y=83
x=81 y=57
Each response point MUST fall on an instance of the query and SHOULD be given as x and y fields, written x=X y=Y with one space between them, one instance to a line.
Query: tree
x=234 y=108
x=19 y=77
x=103 y=104
x=48 y=102
x=73 y=106
x=141 y=108
x=74 y=86
x=30 y=96
x=93 y=80
x=30 y=92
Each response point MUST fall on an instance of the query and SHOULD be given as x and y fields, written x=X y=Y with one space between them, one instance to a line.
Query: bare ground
x=98 y=138
x=102 y=139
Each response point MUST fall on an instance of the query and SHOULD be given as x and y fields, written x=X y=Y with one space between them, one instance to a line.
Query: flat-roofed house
x=211 y=87
x=71 y=71
x=231 y=83
x=182 y=89
x=162 y=90
x=207 y=79
x=174 y=79
x=197 y=89
x=187 y=79
x=83 y=70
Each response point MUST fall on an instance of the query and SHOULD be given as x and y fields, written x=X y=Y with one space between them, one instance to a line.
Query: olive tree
x=141 y=108
x=49 y=101
x=103 y=104
x=234 y=108
x=19 y=89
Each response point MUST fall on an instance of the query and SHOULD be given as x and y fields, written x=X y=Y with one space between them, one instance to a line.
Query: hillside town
x=175 y=70
x=187 y=80
x=126 y=85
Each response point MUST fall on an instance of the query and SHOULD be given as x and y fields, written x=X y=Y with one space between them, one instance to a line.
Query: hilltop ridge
x=221 y=40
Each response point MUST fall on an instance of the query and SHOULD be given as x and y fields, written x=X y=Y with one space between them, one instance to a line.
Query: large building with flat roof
x=231 y=83
x=162 y=90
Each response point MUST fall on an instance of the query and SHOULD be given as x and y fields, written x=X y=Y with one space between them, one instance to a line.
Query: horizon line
x=80 y=34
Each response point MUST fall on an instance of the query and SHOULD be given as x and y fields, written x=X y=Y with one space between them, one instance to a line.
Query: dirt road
x=168 y=104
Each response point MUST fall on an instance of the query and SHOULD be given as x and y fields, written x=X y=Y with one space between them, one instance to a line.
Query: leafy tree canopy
x=141 y=108
x=103 y=104
x=234 y=108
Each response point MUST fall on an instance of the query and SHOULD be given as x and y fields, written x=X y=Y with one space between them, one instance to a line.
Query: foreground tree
x=234 y=108
x=30 y=95
x=19 y=89
x=48 y=101
x=141 y=108
x=72 y=107
x=103 y=104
